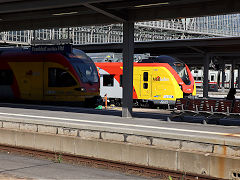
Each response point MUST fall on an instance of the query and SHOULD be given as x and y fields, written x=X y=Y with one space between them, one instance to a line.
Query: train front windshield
x=176 y=64
x=84 y=66
x=180 y=68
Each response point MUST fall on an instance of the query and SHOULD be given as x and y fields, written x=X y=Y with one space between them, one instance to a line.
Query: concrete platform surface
x=152 y=123
x=147 y=139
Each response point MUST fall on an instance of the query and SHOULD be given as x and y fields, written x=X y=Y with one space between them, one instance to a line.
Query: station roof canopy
x=192 y=51
x=37 y=14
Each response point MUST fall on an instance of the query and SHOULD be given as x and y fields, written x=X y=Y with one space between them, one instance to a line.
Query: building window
x=6 y=77
x=60 y=78
x=108 y=80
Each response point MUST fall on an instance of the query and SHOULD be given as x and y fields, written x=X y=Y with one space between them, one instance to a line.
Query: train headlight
x=180 y=87
x=82 y=89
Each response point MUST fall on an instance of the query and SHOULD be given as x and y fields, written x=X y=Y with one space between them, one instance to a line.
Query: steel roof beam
x=43 y=14
x=195 y=43
x=55 y=22
x=22 y=6
x=38 y=9
x=105 y=12
x=158 y=3
x=7 y=1
x=214 y=7
x=197 y=50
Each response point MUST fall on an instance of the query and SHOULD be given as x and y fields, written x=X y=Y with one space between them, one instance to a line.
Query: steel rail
x=126 y=168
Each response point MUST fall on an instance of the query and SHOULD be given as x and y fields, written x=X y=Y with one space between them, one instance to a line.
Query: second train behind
x=156 y=80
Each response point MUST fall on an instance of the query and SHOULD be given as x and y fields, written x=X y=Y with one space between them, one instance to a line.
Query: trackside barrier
x=217 y=157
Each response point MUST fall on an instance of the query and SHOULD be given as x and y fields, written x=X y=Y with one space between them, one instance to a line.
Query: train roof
x=13 y=49
x=161 y=59
x=67 y=48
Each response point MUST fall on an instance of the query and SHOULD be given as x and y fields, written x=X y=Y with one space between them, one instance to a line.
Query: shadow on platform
x=74 y=109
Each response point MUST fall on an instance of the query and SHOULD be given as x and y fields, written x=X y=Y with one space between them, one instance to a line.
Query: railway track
x=99 y=163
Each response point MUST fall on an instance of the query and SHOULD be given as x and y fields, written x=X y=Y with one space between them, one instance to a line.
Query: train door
x=59 y=84
x=227 y=79
x=213 y=81
x=146 y=87
x=29 y=78
x=213 y=78
x=35 y=74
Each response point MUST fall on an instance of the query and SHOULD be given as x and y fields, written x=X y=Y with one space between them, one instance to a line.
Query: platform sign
x=65 y=48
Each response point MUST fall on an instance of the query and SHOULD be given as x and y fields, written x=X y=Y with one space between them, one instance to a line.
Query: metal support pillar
x=68 y=34
x=238 y=79
x=205 y=75
x=232 y=73
x=34 y=34
x=223 y=75
x=128 y=54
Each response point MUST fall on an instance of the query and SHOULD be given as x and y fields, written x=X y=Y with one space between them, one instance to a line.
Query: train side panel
x=7 y=82
x=166 y=87
x=36 y=83
x=29 y=78
x=112 y=86
x=157 y=84
x=48 y=76
x=194 y=90
x=60 y=84
x=153 y=83
x=110 y=79
x=142 y=82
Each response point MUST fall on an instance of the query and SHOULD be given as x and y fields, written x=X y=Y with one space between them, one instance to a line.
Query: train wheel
x=137 y=103
x=118 y=103
x=150 y=104
x=142 y=104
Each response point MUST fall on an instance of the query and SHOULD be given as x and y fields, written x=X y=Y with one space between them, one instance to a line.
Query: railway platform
x=147 y=140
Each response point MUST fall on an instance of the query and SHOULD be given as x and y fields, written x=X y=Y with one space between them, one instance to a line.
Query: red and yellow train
x=48 y=73
x=157 y=80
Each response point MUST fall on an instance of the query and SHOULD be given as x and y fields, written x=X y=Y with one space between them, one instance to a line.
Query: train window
x=86 y=71
x=145 y=85
x=60 y=78
x=108 y=80
x=145 y=76
x=180 y=68
x=226 y=77
x=212 y=77
x=6 y=77
x=121 y=80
